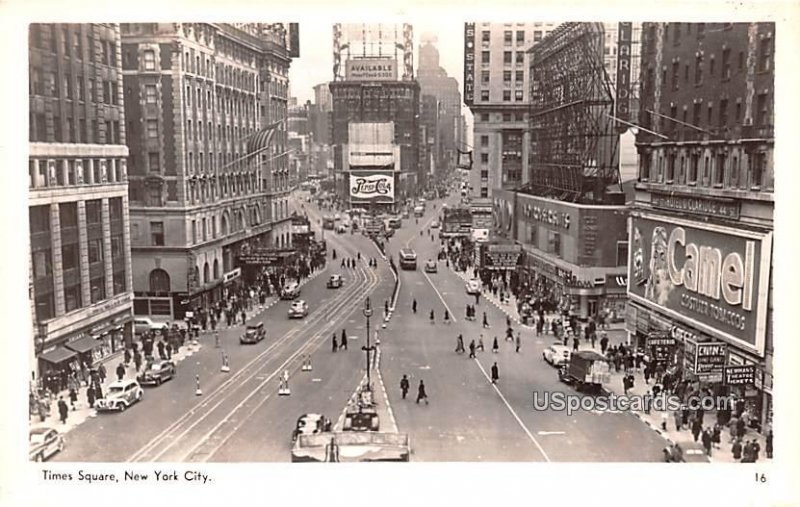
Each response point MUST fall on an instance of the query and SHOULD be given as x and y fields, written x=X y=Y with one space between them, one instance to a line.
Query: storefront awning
x=58 y=355
x=83 y=344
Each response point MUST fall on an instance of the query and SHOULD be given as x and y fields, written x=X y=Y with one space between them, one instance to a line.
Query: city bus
x=408 y=259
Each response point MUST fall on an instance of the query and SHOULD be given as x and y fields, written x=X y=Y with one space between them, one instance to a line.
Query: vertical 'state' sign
x=469 y=62
x=624 y=70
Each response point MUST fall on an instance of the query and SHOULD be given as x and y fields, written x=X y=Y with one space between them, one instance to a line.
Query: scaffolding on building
x=575 y=142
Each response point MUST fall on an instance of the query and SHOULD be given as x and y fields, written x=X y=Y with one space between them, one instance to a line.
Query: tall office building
x=496 y=89
x=207 y=109
x=80 y=264
x=700 y=276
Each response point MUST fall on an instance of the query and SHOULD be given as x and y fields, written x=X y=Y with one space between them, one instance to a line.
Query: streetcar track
x=231 y=385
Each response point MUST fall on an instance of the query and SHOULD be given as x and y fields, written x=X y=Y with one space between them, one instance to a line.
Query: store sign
x=501 y=256
x=710 y=357
x=656 y=339
x=300 y=229
x=615 y=281
x=368 y=186
x=624 y=37
x=232 y=275
x=371 y=69
x=709 y=206
x=549 y=215
x=469 y=63
x=740 y=375
x=714 y=278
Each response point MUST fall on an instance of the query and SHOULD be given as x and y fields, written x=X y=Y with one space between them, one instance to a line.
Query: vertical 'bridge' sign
x=372 y=187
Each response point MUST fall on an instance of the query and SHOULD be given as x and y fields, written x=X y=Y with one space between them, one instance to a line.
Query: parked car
x=556 y=354
x=341 y=229
x=430 y=266
x=120 y=395
x=44 y=443
x=156 y=372
x=311 y=424
x=298 y=310
x=335 y=281
x=474 y=286
x=253 y=334
x=142 y=325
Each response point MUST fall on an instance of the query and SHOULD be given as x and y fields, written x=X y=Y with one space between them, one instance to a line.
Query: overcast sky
x=315 y=64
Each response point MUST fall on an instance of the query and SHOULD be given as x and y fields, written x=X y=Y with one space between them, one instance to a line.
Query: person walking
x=343 y=342
x=160 y=347
x=485 y=320
x=603 y=343
x=736 y=449
x=404 y=385
x=697 y=427
x=518 y=342
x=480 y=343
x=706 y=438
x=120 y=371
x=137 y=359
x=334 y=344
x=446 y=317
x=63 y=410
x=90 y=396
x=495 y=346
x=168 y=350
x=460 y=344
x=472 y=349
x=432 y=318
x=678 y=418
x=414 y=306
x=495 y=373
x=101 y=372
x=421 y=394
x=768 y=446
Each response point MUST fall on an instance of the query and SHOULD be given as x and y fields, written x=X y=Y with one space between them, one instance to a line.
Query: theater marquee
x=716 y=278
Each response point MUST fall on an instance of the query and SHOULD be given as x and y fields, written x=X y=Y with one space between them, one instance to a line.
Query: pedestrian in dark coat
x=697 y=427
x=137 y=359
x=707 y=441
x=160 y=347
x=736 y=449
x=575 y=343
x=518 y=342
x=343 y=341
x=335 y=346
x=716 y=436
x=421 y=394
x=127 y=355
x=495 y=373
x=740 y=428
x=495 y=346
x=485 y=320
x=168 y=350
x=63 y=410
x=603 y=344
x=120 y=371
x=90 y=396
x=472 y=349
x=101 y=372
x=755 y=449
x=404 y=385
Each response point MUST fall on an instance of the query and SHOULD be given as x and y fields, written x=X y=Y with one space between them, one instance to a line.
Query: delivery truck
x=587 y=371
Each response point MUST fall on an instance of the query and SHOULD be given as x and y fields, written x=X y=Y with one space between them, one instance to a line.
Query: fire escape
x=574 y=155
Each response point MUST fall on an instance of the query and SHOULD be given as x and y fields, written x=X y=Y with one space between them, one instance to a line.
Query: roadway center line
x=508 y=405
x=452 y=315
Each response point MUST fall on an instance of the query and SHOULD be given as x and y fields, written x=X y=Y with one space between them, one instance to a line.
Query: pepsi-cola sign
x=371 y=187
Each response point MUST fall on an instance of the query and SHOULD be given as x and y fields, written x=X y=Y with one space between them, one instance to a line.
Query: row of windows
x=73 y=295
x=506 y=117
x=519 y=76
x=62 y=173
x=720 y=169
x=511 y=36
x=724 y=115
x=73 y=130
x=519 y=95
x=39 y=216
x=70 y=37
x=509 y=57
x=44 y=84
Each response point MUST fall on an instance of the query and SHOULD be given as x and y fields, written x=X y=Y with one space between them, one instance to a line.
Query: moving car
x=120 y=395
x=419 y=211
x=430 y=266
x=43 y=443
x=311 y=424
x=290 y=291
x=145 y=324
x=298 y=310
x=253 y=334
x=435 y=224
x=556 y=354
x=335 y=281
x=474 y=286
x=341 y=229
x=156 y=372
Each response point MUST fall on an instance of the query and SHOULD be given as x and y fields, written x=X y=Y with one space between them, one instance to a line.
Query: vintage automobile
x=335 y=281
x=43 y=443
x=430 y=266
x=556 y=354
x=290 y=291
x=120 y=395
x=157 y=371
x=311 y=424
x=435 y=224
x=253 y=334
x=298 y=310
x=473 y=287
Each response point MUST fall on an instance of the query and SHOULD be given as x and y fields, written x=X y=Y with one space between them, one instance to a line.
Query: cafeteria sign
x=740 y=375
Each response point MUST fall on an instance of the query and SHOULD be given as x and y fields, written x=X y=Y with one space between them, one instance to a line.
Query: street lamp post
x=368 y=349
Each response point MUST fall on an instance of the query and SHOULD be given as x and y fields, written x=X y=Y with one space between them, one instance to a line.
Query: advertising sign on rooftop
x=371 y=69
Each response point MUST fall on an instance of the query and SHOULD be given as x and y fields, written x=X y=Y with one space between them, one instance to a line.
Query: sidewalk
x=82 y=410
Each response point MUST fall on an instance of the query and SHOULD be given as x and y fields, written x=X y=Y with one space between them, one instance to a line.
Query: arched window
x=159 y=281
x=216 y=269
x=206 y=273
x=224 y=224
